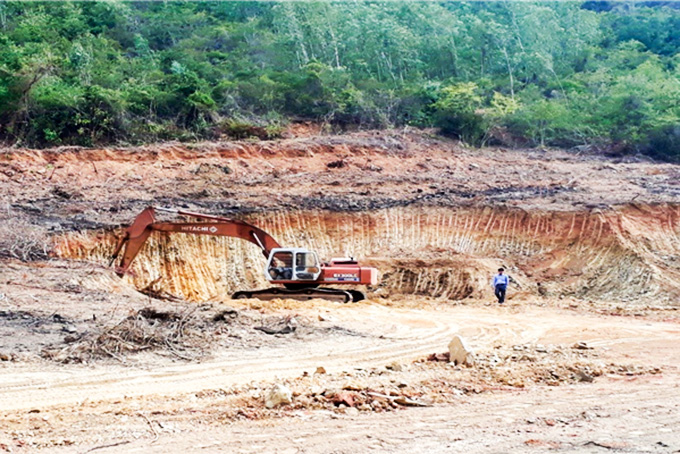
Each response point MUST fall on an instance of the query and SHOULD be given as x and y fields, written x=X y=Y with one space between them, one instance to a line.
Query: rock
x=336 y=164
x=395 y=366
x=285 y=330
x=459 y=352
x=582 y=346
x=278 y=395
x=441 y=357
x=352 y=386
x=342 y=398
x=405 y=401
x=584 y=377
x=69 y=329
x=316 y=390
x=351 y=411
x=320 y=370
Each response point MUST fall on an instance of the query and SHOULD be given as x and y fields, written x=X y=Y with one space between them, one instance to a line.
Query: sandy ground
x=186 y=406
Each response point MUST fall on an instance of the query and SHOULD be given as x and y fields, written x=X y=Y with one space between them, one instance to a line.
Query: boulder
x=459 y=352
x=278 y=395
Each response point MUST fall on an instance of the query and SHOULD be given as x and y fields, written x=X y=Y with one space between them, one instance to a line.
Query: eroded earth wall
x=629 y=254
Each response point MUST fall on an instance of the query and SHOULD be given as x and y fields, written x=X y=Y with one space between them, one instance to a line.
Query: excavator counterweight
x=298 y=270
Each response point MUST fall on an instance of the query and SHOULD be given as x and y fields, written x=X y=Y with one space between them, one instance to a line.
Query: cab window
x=281 y=266
x=305 y=260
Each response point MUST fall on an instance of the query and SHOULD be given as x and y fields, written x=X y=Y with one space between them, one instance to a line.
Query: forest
x=605 y=75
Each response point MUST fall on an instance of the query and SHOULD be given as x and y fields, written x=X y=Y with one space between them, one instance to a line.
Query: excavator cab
x=292 y=264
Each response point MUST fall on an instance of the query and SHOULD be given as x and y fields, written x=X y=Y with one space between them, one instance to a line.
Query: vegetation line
x=598 y=74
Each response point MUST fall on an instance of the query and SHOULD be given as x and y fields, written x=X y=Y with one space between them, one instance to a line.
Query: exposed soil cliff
x=625 y=254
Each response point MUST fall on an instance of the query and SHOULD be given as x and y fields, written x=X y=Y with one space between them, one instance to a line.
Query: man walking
x=500 y=285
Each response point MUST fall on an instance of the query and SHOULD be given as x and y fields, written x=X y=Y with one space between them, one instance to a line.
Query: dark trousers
x=500 y=292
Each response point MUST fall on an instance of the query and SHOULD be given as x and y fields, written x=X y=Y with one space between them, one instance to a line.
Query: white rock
x=351 y=411
x=459 y=352
x=278 y=395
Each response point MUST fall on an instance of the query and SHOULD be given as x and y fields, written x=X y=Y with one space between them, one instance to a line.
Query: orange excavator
x=298 y=270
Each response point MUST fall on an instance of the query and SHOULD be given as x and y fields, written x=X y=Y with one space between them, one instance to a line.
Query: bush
x=457 y=112
x=22 y=240
x=239 y=129
x=664 y=143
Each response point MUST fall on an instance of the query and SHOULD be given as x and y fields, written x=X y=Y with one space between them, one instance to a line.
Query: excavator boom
x=297 y=269
x=136 y=235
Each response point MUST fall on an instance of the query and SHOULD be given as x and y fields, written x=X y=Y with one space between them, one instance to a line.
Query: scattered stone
x=69 y=329
x=541 y=349
x=278 y=395
x=405 y=401
x=316 y=390
x=4 y=357
x=584 y=377
x=226 y=315
x=336 y=164
x=285 y=330
x=352 y=386
x=342 y=398
x=582 y=346
x=320 y=370
x=459 y=352
x=395 y=366
x=440 y=357
x=351 y=411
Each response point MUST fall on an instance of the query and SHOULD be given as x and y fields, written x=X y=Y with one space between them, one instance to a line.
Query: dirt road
x=397 y=334
x=568 y=417
x=609 y=417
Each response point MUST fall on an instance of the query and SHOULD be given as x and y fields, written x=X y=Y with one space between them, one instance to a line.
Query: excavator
x=297 y=270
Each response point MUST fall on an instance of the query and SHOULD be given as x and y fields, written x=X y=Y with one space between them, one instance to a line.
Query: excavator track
x=330 y=294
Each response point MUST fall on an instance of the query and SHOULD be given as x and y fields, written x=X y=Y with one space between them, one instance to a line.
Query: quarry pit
x=163 y=357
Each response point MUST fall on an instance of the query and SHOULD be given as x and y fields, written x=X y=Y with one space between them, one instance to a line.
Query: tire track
x=416 y=333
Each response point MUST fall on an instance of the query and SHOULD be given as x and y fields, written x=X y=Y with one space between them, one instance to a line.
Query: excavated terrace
x=435 y=217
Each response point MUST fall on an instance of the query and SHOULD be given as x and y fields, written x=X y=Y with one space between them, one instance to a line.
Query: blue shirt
x=500 y=279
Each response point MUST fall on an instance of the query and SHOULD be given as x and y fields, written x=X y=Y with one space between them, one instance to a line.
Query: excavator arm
x=136 y=235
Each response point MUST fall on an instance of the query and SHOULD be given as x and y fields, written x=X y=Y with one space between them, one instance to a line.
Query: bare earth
x=167 y=406
x=583 y=357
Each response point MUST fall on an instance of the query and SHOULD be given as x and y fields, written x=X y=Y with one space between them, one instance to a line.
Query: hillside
x=514 y=74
